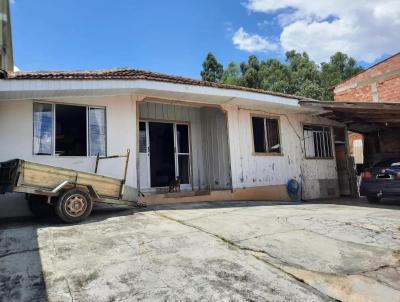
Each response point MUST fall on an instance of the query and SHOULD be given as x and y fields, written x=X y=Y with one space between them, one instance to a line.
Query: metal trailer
x=69 y=193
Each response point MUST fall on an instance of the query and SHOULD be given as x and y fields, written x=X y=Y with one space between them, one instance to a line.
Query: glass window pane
x=258 y=134
x=183 y=163
x=97 y=131
x=309 y=142
x=42 y=129
x=71 y=130
x=273 y=135
x=142 y=138
x=182 y=138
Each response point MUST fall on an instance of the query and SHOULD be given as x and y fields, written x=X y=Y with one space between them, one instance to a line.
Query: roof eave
x=28 y=89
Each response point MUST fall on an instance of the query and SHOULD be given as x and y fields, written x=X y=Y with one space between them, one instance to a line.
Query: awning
x=362 y=117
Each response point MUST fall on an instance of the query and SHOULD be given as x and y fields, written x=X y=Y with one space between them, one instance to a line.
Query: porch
x=181 y=146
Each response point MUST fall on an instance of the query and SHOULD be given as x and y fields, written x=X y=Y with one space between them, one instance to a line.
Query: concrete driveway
x=242 y=251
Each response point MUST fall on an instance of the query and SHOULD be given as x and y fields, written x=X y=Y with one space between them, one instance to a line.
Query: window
x=266 y=135
x=71 y=131
x=182 y=147
x=68 y=130
x=97 y=131
x=317 y=142
x=42 y=129
x=142 y=137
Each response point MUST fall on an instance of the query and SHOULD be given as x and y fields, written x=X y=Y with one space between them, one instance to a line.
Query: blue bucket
x=293 y=189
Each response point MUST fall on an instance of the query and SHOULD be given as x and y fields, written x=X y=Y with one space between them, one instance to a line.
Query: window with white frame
x=266 y=135
x=317 y=142
x=68 y=130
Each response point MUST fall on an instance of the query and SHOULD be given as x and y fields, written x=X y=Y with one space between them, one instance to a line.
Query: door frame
x=147 y=155
x=176 y=154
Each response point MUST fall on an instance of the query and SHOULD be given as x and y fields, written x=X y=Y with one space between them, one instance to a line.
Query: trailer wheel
x=73 y=206
x=39 y=207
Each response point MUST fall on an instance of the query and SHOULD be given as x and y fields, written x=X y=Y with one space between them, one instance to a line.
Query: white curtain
x=97 y=131
x=42 y=129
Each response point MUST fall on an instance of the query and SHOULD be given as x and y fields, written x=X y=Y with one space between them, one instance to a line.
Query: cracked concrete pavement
x=223 y=251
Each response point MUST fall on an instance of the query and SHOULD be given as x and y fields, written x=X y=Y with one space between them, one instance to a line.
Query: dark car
x=381 y=180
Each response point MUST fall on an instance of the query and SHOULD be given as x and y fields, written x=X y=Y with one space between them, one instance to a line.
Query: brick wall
x=380 y=83
x=389 y=90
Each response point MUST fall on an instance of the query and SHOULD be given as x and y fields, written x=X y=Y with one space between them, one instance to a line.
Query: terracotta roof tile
x=128 y=74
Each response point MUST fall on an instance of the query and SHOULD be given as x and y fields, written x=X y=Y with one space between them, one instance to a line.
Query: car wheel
x=73 y=206
x=373 y=199
x=39 y=207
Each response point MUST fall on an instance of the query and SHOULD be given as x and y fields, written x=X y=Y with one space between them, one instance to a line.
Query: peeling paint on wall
x=270 y=170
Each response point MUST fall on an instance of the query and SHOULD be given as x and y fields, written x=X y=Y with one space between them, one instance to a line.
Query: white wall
x=216 y=149
x=16 y=129
x=249 y=170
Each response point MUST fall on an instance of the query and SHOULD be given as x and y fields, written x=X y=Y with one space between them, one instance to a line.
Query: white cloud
x=364 y=29
x=229 y=28
x=264 y=24
x=16 y=68
x=252 y=42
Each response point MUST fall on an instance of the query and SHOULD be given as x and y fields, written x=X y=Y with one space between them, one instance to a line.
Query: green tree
x=231 y=74
x=303 y=73
x=275 y=76
x=310 y=89
x=299 y=76
x=212 y=70
x=339 y=68
x=250 y=73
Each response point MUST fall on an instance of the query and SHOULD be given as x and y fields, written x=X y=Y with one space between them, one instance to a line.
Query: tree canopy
x=212 y=70
x=298 y=75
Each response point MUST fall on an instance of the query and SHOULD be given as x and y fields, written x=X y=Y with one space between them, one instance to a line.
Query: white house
x=224 y=142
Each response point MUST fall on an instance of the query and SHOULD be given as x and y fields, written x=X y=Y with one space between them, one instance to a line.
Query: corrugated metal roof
x=360 y=117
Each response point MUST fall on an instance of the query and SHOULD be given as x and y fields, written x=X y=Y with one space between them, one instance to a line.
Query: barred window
x=266 y=135
x=317 y=142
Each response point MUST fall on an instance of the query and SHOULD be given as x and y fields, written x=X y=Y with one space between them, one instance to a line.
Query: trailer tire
x=73 y=206
x=39 y=207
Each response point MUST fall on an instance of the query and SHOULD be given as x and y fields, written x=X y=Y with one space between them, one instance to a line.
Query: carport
x=379 y=123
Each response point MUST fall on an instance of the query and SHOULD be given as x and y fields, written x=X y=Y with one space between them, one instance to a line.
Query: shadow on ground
x=20 y=263
x=22 y=277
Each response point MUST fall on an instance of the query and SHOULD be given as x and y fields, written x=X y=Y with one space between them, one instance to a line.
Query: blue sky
x=174 y=36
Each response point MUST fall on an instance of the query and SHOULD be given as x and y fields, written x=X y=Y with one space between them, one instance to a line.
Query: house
x=379 y=84
x=224 y=142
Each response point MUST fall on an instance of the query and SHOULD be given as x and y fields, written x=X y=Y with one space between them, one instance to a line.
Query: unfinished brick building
x=378 y=84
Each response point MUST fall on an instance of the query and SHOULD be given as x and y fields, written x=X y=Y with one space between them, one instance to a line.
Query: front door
x=164 y=154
